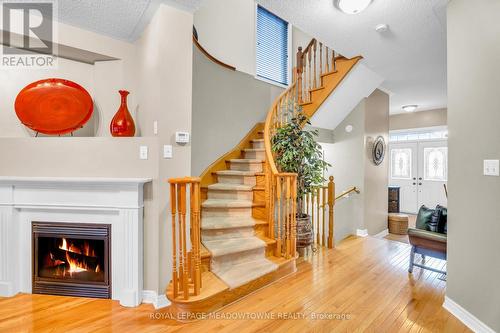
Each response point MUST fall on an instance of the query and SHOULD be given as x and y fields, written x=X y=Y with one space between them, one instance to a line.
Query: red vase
x=122 y=123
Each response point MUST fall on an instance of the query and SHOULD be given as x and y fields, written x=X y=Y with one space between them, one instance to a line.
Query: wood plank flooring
x=361 y=286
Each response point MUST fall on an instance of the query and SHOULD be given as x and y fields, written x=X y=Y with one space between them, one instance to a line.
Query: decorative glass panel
x=436 y=163
x=401 y=163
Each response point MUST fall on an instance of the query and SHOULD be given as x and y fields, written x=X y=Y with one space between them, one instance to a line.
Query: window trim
x=289 y=47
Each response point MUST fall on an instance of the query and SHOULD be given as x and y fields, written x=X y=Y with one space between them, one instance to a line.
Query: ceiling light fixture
x=352 y=6
x=410 y=108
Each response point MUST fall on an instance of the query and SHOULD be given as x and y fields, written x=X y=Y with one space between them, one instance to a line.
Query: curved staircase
x=245 y=237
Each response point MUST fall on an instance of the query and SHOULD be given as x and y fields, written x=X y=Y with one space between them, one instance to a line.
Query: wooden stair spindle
x=327 y=67
x=299 y=69
x=320 y=59
x=173 y=204
x=334 y=62
x=331 y=203
x=318 y=207
x=323 y=207
x=182 y=210
x=288 y=218
x=314 y=65
x=278 y=201
x=196 y=239
x=294 y=216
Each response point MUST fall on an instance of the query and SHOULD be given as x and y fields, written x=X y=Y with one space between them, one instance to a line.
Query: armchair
x=429 y=237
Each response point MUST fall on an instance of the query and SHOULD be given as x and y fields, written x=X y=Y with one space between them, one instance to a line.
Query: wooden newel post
x=331 y=204
x=299 y=74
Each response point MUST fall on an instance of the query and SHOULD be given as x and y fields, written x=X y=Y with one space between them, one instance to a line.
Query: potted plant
x=297 y=151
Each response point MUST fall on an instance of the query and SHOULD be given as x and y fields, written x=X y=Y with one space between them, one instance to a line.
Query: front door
x=403 y=173
x=420 y=169
x=432 y=173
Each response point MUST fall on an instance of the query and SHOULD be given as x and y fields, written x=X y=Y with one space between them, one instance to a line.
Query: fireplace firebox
x=72 y=259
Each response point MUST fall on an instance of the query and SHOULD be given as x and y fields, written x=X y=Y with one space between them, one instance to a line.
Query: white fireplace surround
x=115 y=201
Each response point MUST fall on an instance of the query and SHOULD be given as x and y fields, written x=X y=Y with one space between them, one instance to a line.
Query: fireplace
x=71 y=259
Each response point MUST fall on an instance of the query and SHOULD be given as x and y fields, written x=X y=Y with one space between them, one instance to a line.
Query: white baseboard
x=382 y=234
x=152 y=297
x=466 y=317
x=362 y=232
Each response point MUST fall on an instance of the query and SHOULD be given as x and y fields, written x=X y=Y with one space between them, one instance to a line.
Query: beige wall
x=158 y=72
x=346 y=156
x=226 y=29
x=430 y=118
x=473 y=123
x=376 y=176
x=350 y=156
x=226 y=105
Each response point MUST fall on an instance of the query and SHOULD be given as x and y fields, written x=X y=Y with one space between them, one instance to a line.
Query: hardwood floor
x=365 y=280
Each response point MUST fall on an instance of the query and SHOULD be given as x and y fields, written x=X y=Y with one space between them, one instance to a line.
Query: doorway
x=420 y=170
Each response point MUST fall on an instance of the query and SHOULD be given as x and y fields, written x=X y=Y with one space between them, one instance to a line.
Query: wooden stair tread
x=211 y=286
x=254 y=149
x=259 y=188
x=245 y=160
x=235 y=173
x=316 y=89
x=267 y=240
x=226 y=203
x=330 y=73
x=230 y=187
x=204 y=252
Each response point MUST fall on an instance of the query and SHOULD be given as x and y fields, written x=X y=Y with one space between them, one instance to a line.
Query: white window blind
x=272 y=47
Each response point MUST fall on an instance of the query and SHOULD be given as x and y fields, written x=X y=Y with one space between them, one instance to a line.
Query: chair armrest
x=429 y=240
x=429 y=235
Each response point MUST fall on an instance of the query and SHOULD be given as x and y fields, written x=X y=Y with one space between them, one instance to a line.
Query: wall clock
x=378 y=151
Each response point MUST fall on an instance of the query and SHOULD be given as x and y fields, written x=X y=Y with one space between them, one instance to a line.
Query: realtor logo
x=28 y=34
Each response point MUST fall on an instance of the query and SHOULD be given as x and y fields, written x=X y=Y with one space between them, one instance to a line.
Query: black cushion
x=424 y=218
x=443 y=220
x=433 y=224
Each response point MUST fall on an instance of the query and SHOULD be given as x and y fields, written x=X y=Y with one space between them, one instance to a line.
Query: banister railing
x=347 y=192
x=319 y=205
x=186 y=242
x=312 y=62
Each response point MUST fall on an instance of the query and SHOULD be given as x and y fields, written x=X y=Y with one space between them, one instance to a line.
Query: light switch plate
x=492 y=168
x=155 y=127
x=143 y=152
x=167 y=151
x=182 y=137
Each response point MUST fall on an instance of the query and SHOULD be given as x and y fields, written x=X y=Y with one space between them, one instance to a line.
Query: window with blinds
x=272 y=47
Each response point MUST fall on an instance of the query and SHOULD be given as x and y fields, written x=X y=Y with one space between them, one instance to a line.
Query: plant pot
x=304 y=234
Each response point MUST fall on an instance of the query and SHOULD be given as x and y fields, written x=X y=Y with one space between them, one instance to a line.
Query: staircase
x=228 y=229
x=245 y=237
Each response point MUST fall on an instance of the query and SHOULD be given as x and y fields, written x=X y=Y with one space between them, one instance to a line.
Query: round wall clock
x=378 y=152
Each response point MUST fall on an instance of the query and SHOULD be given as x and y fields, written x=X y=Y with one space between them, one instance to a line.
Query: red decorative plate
x=54 y=106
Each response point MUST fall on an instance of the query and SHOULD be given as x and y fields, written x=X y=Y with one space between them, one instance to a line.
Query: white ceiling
x=411 y=56
x=121 y=19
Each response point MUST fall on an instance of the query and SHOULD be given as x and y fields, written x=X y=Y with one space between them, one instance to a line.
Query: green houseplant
x=297 y=151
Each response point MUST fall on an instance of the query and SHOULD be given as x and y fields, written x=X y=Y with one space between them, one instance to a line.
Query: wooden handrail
x=211 y=57
x=186 y=265
x=347 y=192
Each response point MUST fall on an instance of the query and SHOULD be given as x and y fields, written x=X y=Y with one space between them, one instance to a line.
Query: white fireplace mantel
x=115 y=201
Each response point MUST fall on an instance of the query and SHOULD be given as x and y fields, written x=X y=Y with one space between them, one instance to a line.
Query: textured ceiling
x=411 y=56
x=121 y=19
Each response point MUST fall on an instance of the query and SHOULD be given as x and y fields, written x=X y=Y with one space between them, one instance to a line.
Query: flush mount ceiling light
x=410 y=108
x=352 y=6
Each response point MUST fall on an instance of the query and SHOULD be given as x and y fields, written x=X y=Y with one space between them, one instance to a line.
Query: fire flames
x=87 y=250
x=77 y=263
